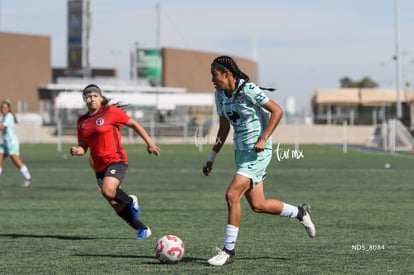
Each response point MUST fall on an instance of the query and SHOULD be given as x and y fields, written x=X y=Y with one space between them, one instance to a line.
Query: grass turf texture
x=62 y=225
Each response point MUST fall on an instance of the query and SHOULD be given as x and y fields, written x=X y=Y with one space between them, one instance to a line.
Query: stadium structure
x=170 y=92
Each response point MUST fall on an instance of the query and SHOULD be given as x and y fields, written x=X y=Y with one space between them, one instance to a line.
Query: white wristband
x=212 y=156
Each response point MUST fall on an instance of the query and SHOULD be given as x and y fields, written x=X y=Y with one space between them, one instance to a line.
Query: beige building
x=361 y=106
x=25 y=69
x=25 y=62
x=191 y=69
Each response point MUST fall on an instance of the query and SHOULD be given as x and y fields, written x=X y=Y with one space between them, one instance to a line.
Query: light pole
x=397 y=57
x=158 y=34
x=0 y=15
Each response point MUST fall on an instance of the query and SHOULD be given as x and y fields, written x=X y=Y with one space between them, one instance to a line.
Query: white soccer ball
x=169 y=249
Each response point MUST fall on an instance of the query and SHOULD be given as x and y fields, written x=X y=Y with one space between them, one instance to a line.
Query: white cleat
x=27 y=183
x=306 y=220
x=221 y=258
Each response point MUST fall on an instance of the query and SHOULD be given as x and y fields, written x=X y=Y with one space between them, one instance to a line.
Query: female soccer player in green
x=254 y=117
x=11 y=146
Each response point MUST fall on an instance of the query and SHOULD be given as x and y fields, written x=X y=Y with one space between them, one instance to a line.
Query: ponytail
x=268 y=89
x=226 y=63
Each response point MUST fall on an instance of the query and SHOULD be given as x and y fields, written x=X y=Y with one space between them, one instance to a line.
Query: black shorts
x=115 y=170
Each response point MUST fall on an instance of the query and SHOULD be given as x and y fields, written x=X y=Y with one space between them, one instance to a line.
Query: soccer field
x=61 y=225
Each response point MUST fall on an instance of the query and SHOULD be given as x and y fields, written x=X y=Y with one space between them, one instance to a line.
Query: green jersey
x=9 y=134
x=246 y=114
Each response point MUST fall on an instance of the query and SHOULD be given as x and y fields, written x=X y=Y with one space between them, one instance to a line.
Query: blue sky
x=299 y=45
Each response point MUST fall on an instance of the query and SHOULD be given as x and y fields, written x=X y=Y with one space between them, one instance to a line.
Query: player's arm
x=276 y=114
x=79 y=150
x=151 y=147
x=222 y=133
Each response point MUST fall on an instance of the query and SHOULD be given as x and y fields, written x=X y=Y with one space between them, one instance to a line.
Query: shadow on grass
x=154 y=260
x=244 y=260
x=262 y=258
x=113 y=256
x=58 y=237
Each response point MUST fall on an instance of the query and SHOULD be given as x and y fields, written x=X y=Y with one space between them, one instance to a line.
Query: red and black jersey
x=100 y=132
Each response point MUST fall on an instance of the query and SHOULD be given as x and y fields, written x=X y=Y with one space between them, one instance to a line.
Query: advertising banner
x=149 y=65
x=75 y=34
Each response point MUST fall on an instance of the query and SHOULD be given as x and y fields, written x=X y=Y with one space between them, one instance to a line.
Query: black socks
x=300 y=213
x=126 y=215
x=230 y=252
x=122 y=197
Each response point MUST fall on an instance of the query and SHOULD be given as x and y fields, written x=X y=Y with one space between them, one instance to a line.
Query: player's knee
x=108 y=193
x=232 y=197
x=257 y=207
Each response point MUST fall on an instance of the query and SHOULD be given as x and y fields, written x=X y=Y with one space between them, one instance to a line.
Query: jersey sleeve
x=255 y=94
x=119 y=116
x=8 y=120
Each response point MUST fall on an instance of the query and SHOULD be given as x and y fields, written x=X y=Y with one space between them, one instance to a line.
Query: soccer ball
x=169 y=249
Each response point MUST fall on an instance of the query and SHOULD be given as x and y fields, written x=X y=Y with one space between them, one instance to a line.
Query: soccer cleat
x=143 y=233
x=27 y=183
x=134 y=207
x=306 y=220
x=221 y=258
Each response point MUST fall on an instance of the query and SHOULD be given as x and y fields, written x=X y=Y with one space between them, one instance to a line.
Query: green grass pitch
x=62 y=225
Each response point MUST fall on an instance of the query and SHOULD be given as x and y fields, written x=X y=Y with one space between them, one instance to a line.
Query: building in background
x=24 y=65
x=361 y=106
x=171 y=67
x=26 y=71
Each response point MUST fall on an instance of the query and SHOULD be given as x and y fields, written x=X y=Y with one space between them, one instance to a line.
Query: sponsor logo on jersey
x=100 y=121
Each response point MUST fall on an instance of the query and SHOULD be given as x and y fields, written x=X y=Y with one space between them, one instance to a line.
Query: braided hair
x=226 y=63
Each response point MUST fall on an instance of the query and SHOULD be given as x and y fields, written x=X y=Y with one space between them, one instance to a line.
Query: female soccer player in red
x=98 y=130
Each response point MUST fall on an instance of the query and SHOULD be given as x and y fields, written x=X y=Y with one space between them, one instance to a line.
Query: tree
x=346 y=82
x=365 y=82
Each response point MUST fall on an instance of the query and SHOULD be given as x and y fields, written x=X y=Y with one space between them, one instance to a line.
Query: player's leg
x=109 y=182
x=239 y=185
x=111 y=191
x=126 y=206
x=2 y=157
x=143 y=231
x=257 y=199
x=258 y=203
x=237 y=188
x=22 y=168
